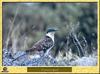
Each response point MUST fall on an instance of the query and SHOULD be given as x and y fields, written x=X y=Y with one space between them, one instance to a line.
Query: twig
x=78 y=45
x=76 y=42
x=18 y=57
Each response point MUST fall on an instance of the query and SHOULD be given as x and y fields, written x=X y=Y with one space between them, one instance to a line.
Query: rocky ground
x=21 y=59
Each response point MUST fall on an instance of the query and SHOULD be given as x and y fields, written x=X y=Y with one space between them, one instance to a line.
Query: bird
x=45 y=44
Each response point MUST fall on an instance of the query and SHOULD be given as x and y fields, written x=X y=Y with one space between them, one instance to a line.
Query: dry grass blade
x=11 y=28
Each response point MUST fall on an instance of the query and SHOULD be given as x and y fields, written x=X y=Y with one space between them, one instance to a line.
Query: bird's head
x=51 y=30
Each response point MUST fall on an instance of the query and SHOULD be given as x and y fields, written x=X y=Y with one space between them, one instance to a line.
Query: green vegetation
x=25 y=23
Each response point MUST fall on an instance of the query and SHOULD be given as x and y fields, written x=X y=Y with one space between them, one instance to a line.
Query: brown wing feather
x=42 y=45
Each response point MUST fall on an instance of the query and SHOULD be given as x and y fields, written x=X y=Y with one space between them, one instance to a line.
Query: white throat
x=51 y=35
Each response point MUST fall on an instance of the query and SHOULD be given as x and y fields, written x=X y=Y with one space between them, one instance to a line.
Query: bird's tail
x=28 y=50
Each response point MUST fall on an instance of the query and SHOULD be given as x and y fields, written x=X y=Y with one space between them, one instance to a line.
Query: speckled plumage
x=43 y=45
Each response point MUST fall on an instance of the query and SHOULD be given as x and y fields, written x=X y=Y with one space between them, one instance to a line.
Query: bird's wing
x=42 y=45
